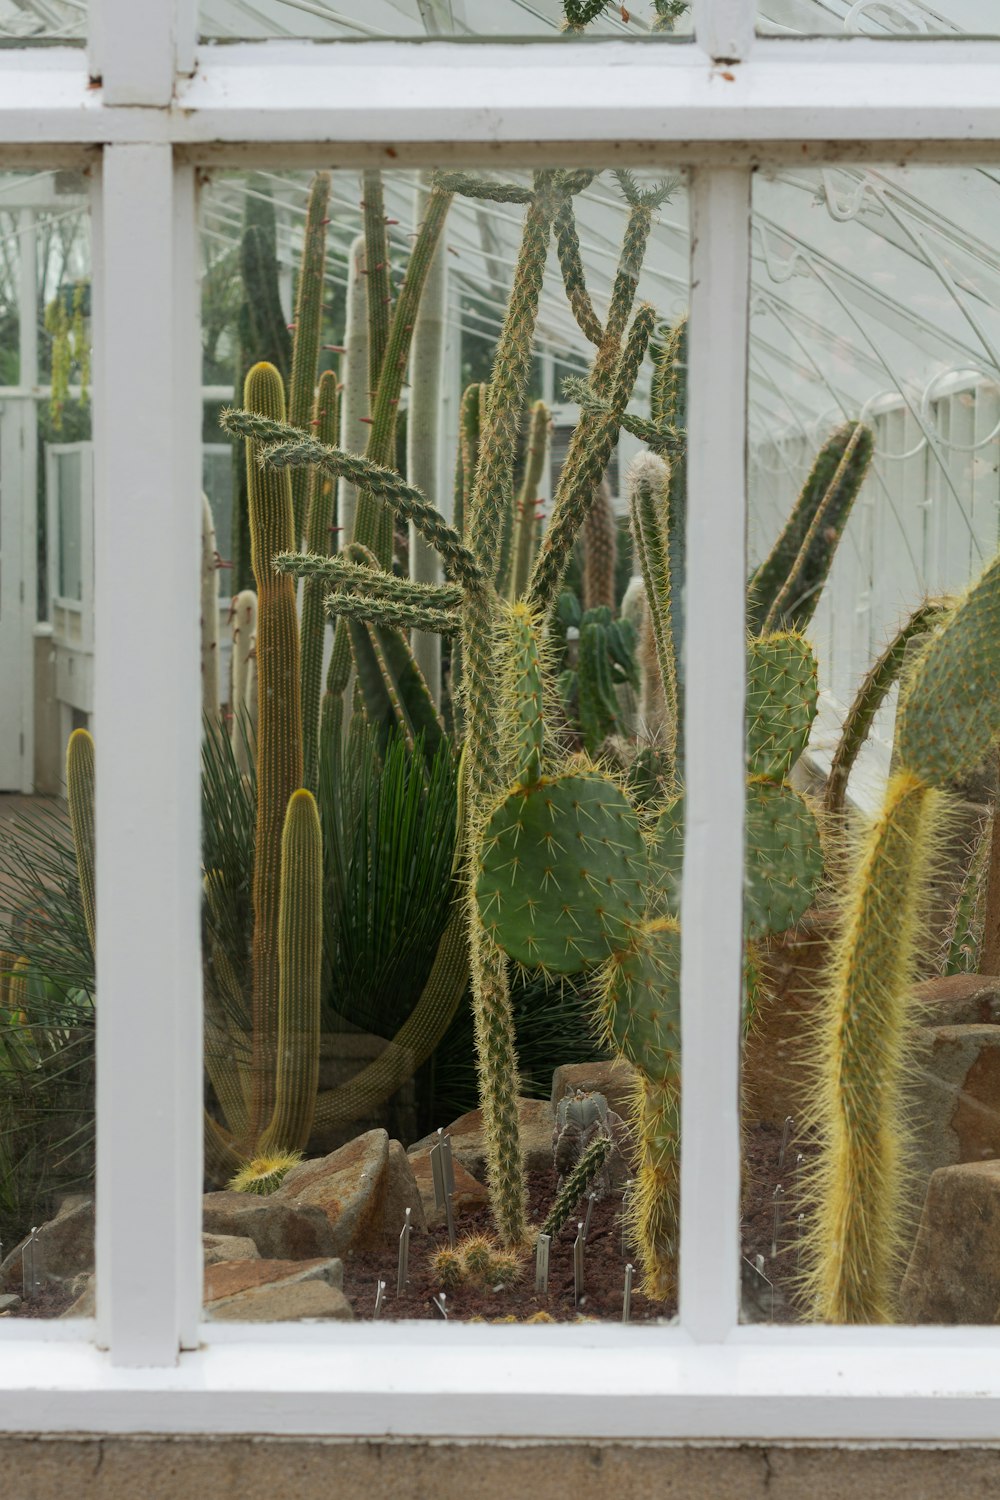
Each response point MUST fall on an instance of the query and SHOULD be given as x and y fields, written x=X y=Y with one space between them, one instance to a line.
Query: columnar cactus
x=209 y=619
x=242 y=693
x=599 y=539
x=948 y=720
x=319 y=540
x=308 y=325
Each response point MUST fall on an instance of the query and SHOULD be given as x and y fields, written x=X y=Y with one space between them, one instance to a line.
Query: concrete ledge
x=43 y=1468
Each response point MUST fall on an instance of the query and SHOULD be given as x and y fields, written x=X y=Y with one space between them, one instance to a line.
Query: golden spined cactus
x=80 y=795
x=948 y=718
x=279 y=726
x=600 y=551
x=300 y=964
x=243 y=628
x=319 y=542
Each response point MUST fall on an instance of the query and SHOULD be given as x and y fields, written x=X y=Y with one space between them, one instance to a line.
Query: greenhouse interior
x=443 y=677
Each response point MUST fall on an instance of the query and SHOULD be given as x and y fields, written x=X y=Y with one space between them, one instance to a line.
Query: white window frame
x=143 y=110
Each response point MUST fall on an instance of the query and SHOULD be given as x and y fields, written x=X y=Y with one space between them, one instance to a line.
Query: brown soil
x=604 y=1272
x=774 y=1299
x=51 y=1301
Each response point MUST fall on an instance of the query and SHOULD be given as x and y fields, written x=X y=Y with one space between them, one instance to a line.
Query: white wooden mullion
x=725 y=28
x=714 y=752
x=147 y=730
x=136 y=48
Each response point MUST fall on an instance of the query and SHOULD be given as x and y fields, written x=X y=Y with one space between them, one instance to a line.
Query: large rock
x=954 y=1271
x=468 y=1195
x=468 y=1147
x=63 y=1250
x=612 y=1077
x=959 y=1000
x=349 y=1188
x=229 y=1278
x=276 y=1291
x=954 y=1113
x=401 y=1193
x=280 y=1230
x=781 y=1041
x=221 y=1247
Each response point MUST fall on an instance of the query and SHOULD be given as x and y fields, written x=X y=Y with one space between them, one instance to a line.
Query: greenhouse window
x=482 y=975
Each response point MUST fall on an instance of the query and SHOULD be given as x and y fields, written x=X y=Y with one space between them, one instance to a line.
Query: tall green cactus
x=308 y=325
x=279 y=725
x=947 y=721
x=80 y=797
x=524 y=521
x=599 y=541
x=319 y=541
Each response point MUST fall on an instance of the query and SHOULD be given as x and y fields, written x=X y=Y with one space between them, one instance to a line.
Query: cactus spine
x=947 y=721
x=319 y=537
x=279 y=730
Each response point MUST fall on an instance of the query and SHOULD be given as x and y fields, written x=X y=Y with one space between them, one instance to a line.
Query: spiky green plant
x=947 y=721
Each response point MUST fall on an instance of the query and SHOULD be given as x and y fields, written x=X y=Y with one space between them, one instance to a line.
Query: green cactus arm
x=499 y=1086
x=667 y=441
x=577 y=1183
x=372 y=523
x=80 y=796
x=392 y=685
x=648 y=484
x=279 y=726
x=784 y=591
x=597 y=700
x=574 y=279
x=417 y=1037
x=287 y=448
x=638 y=1011
x=668 y=396
x=869 y=698
x=965 y=944
x=587 y=459
x=524 y=694
x=379 y=298
x=300 y=965
x=525 y=521
x=319 y=535
x=782 y=692
x=394 y=613
x=948 y=719
x=633 y=251
x=340 y=571
x=305 y=343
x=509 y=379
x=468 y=185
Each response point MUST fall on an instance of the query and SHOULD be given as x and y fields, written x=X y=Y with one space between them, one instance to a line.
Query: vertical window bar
x=725 y=28
x=715 y=672
x=136 y=48
x=147 y=730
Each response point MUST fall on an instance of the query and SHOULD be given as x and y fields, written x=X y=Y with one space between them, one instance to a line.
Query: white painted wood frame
x=156 y=113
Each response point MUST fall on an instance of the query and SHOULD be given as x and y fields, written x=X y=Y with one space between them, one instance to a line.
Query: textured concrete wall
x=248 y=1469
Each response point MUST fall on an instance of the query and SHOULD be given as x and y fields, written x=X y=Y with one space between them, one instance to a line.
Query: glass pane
x=361 y=20
x=47 y=990
x=871 y=1111
x=34 y=21
x=883 y=18
x=342 y=1051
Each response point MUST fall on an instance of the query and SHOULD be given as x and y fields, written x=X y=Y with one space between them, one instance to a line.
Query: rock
x=612 y=1077
x=230 y=1278
x=468 y=1194
x=349 y=1187
x=954 y=1102
x=779 y=1044
x=286 y=1302
x=954 y=1271
x=9 y=1304
x=220 y=1247
x=280 y=1230
x=401 y=1193
x=959 y=1000
x=467 y=1145
x=64 y=1248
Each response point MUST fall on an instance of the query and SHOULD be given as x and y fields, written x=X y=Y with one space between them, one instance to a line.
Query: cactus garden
x=443 y=678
